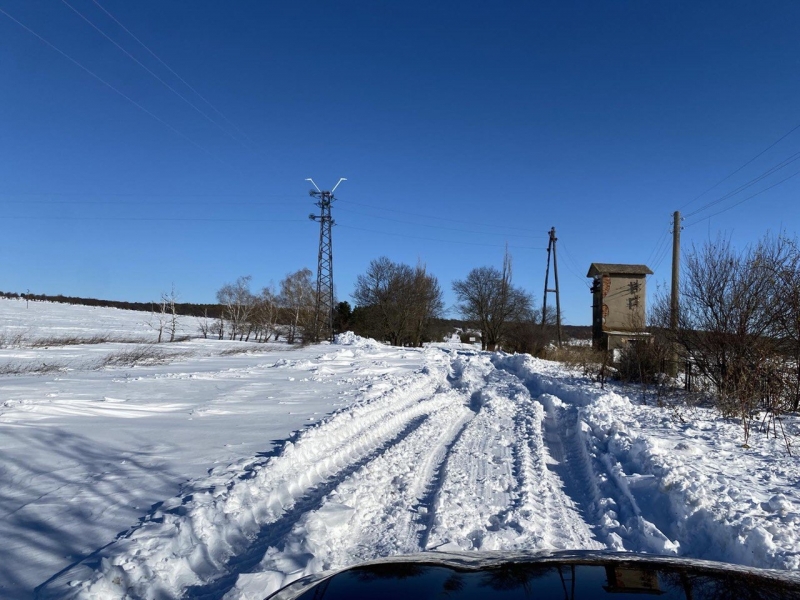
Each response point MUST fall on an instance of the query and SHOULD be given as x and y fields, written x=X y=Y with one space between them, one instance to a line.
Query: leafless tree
x=265 y=314
x=297 y=299
x=159 y=318
x=169 y=300
x=726 y=324
x=164 y=316
x=781 y=257
x=488 y=298
x=204 y=324
x=238 y=304
x=399 y=301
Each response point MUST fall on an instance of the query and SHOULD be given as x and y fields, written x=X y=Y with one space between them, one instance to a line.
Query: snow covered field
x=202 y=472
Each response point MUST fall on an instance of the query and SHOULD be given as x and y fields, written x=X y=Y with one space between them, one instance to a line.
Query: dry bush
x=12 y=368
x=244 y=350
x=147 y=354
x=24 y=340
x=591 y=362
x=72 y=340
x=11 y=340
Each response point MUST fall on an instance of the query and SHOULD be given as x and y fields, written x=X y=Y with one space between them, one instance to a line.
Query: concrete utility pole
x=323 y=316
x=674 y=306
x=676 y=257
x=552 y=246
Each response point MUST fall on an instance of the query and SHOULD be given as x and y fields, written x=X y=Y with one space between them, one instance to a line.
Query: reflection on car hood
x=544 y=575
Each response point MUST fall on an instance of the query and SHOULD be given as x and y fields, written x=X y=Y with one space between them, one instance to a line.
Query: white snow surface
x=226 y=470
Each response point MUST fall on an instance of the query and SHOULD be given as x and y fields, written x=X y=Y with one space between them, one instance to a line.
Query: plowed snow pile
x=212 y=474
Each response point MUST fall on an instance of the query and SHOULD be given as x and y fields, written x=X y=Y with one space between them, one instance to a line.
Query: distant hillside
x=183 y=308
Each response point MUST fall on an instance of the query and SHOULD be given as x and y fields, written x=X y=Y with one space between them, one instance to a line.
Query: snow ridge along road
x=472 y=451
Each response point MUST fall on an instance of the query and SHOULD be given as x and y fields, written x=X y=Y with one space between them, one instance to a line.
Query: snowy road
x=184 y=479
x=451 y=457
x=471 y=452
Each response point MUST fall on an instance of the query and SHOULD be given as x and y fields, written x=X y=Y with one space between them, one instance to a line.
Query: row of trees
x=404 y=306
x=247 y=316
x=394 y=302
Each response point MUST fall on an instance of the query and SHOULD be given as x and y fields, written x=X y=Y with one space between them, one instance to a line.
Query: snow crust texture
x=441 y=448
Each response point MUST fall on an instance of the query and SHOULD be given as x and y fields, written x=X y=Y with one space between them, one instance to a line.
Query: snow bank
x=669 y=484
x=348 y=338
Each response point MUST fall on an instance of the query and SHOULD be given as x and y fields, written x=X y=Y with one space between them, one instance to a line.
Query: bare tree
x=782 y=257
x=265 y=314
x=297 y=298
x=159 y=318
x=398 y=301
x=487 y=298
x=204 y=324
x=726 y=324
x=169 y=300
x=238 y=303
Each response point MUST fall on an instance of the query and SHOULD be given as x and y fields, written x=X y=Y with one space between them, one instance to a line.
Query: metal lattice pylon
x=323 y=319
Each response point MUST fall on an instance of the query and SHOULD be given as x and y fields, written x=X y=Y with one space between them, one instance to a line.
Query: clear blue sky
x=461 y=126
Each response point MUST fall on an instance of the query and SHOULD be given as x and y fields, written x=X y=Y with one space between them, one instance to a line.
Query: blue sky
x=460 y=126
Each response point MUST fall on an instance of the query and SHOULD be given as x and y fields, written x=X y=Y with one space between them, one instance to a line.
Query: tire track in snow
x=499 y=492
x=596 y=484
x=478 y=481
x=190 y=540
x=599 y=483
x=383 y=507
x=569 y=467
x=372 y=512
x=274 y=532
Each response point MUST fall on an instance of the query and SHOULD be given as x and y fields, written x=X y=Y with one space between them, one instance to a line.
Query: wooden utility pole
x=552 y=246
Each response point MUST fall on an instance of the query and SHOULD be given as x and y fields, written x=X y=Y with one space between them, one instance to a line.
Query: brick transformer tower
x=618 y=307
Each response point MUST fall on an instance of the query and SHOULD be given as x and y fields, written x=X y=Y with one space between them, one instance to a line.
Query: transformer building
x=618 y=307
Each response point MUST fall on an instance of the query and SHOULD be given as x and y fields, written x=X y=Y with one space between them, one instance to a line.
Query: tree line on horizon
x=397 y=303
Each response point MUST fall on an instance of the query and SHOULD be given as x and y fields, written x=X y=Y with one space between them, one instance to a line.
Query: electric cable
x=433 y=226
x=416 y=237
x=412 y=214
x=109 y=86
x=772 y=145
x=743 y=200
x=171 y=70
x=786 y=162
x=143 y=66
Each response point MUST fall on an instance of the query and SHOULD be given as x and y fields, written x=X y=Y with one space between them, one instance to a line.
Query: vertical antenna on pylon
x=323 y=316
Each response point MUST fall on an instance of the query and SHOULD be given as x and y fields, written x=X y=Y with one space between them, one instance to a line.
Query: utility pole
x=676 y=257
x=324 y=309
x=552 y=246
x=673 y=313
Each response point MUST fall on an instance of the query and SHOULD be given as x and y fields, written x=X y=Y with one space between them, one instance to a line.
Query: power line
x=772 y=145
x=255 y=197
x=108 y=85
x=171 y=70
x=434 y=226
x=659 y=258
x=570 y=268
x=659 y=244
x=786 y=162
x=795 y=174
x=143 y=66
x=412 y=214
x=117 y=203
x=198 y=219
x=416 y=237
